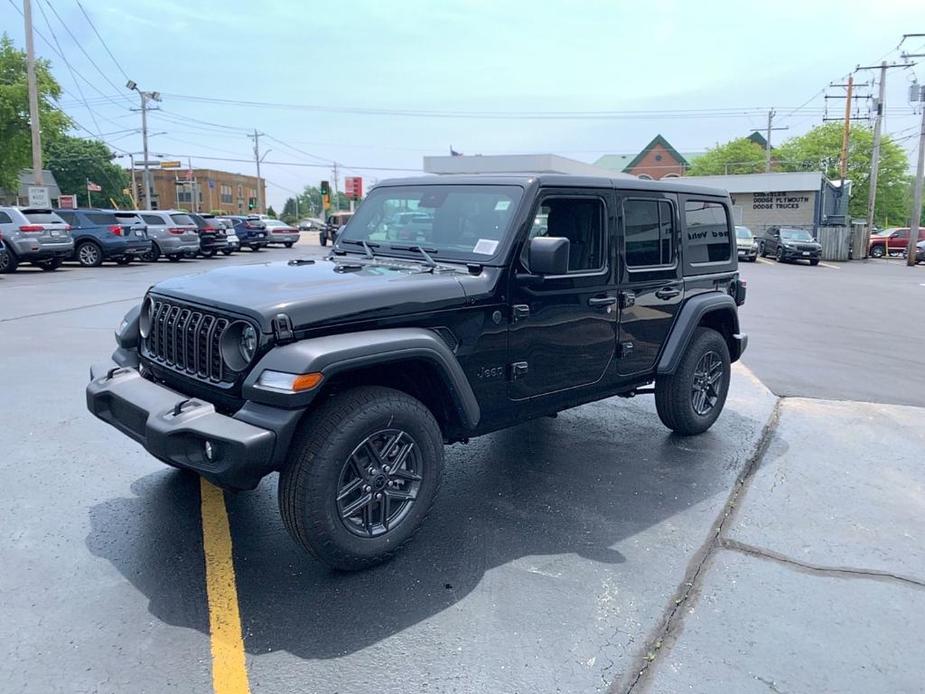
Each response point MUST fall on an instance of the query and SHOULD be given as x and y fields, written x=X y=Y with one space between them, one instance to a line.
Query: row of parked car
x=47 y=237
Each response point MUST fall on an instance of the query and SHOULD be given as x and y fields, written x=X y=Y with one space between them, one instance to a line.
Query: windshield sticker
x=485 y=247
x=502 y=205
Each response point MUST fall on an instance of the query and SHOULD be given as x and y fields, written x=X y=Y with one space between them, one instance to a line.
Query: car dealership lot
x=564 y=555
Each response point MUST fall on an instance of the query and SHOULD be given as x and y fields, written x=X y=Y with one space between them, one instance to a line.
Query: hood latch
x=282 y=328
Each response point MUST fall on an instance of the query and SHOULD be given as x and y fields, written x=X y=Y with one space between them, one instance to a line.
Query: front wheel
x=254 y=249
x=323 y=238
x=779 y=256
x=288 y=244
x=227 y=252
x=876 y=252
x=814 y=262
x=361 y=476
x=152 y=255
x=689 y=400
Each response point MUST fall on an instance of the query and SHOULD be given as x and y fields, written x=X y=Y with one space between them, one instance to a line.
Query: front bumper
x=792 y=254
x=749 y=253
x=175 y=428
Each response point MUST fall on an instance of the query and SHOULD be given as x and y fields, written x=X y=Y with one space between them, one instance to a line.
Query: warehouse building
x=805 y=199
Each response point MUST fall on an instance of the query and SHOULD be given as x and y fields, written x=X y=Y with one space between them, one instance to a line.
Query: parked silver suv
x=34 y=235
x=175 y=234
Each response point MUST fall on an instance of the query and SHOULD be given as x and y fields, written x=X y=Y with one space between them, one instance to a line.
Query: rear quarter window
x=183 y=219
x=707 y=234
x=152 y=219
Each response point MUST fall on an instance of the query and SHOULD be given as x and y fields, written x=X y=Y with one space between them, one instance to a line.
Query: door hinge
x=519 y=370
x=627 y=299
x=520 y=312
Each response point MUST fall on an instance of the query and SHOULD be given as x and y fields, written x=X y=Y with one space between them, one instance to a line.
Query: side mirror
x=549 y=255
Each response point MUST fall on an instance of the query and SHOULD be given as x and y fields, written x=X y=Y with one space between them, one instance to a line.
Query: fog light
x=208 y=450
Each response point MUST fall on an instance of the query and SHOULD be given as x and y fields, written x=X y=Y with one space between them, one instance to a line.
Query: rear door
x=651 y=288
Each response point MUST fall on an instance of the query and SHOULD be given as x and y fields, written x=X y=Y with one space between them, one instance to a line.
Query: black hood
x=339 y=290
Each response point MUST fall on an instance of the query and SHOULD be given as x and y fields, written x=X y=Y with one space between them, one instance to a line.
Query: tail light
x=32 y=228
x=176 y=230
x=115 y=230
x=67 y=228
x=210 y=230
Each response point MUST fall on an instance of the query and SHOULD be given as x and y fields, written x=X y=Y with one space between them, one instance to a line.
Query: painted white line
x=766 y=261
x=831 y=267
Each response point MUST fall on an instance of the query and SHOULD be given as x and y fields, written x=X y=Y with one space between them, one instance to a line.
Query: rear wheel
x=361 y=476
x=689 y=400
x=49 y=265
x=8 y=262
x=89 y=254
x=208 y=253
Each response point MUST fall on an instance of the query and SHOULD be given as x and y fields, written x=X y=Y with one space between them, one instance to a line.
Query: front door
x=651 y=289
x=563 y=328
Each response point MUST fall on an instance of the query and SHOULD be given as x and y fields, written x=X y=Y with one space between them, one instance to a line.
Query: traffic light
x=325 y=188
x=251 y=203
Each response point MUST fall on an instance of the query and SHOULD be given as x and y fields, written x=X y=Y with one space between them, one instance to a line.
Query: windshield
x=450 y=221
x=743 y=233
x=795 y=235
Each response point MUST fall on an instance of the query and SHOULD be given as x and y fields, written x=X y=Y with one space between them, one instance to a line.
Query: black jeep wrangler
x=502 y=298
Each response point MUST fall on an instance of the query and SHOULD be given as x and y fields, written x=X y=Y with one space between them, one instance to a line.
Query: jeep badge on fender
x=349 y=375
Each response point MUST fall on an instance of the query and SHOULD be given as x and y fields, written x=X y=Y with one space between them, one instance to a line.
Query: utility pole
x=767 y=144
x=258 y=159
x=145 y=96
x=843 y=164
x=336 y=196
x=875 y=153
x=33 y=97
x=919 y=175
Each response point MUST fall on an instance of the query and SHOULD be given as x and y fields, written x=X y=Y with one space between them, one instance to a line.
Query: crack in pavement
x=841 y=571
x=67 y=310
x=674 y=615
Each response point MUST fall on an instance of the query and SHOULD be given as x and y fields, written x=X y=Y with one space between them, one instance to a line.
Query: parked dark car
x=99 y=235
x=251 y=233
x=212 y=238
x=786 y=244
x=348 y=374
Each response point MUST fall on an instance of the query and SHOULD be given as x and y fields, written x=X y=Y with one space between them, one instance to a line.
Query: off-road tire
x=309 y=481
x=673 y=393
x=89 y=254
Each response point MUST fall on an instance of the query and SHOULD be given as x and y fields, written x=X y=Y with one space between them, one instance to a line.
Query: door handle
x=602 y=301
x=667 y=293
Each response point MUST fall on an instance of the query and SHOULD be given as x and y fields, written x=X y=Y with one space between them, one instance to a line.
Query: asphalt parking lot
x=590 y=552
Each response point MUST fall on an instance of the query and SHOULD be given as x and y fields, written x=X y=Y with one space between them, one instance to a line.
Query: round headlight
x=146 y=319
x=248 y=344
x=239 y=345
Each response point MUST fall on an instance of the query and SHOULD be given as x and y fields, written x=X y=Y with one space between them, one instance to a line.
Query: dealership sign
x=353 y=187
x=779 y=201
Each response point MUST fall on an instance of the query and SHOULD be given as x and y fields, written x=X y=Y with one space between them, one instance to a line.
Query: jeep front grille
x=187 y=340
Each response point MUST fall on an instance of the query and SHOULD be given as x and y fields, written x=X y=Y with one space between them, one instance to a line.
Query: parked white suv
x=175 y=234
x=34 y=235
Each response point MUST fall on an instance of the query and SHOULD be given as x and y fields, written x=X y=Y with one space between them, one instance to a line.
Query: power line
x=93 y=26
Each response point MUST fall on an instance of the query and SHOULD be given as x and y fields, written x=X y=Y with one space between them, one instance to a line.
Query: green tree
x=820 y=150
x=739 y=156
x=74 y=161
x=271 y=212
x=15 y=135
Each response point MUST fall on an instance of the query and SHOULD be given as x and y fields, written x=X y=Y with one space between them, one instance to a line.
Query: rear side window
x=152 y=219
x=5 y=218
x=102 y=218
x=127 y=218
x=42 y=217
x=650 y=233
x=184 y=219
x=69 y=217
x=707 y=232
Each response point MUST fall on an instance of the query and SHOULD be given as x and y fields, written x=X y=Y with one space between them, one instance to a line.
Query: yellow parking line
x=229 y=672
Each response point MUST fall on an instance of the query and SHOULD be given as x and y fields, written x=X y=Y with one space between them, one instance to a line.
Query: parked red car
x=893 y=241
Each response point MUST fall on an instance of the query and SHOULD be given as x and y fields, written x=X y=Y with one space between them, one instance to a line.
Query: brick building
x=204 y=190
x=656 y=160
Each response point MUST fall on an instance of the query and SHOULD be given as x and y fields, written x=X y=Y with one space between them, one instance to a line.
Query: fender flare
x=334 y=354
x=693 y=310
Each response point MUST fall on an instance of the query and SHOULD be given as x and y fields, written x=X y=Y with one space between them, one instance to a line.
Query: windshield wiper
x=418 y=249
x=368 y=247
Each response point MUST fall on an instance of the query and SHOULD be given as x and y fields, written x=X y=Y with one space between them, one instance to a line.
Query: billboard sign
x=67 y=202
x=353 y=187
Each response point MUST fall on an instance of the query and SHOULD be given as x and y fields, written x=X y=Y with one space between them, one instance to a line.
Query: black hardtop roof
x=524 y=180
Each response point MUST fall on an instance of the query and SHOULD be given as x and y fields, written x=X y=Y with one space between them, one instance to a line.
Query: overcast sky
x=494 y=58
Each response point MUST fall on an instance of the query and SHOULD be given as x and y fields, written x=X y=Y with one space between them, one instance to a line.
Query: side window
x=152 y=219
x=649 y=230
x=581 y=221
x=68 y=217
x=707 y=232
x=5 y=218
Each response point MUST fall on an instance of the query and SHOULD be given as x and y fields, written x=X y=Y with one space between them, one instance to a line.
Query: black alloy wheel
x=152 y=255
x=705 y=388
x=379 y=483
x=8 y=262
